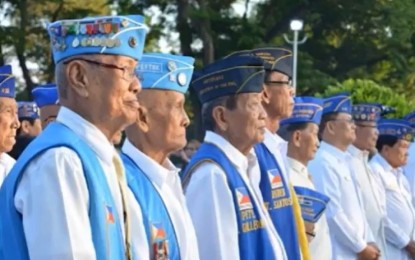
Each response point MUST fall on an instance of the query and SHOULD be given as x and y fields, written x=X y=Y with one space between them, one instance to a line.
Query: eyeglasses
x=128 y=74
x=280 y=82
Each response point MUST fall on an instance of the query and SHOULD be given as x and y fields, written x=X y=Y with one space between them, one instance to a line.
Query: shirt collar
x=88 y=132
x=272 y=140
x=296 y=165
x=356 y=152
x=333 y=151
x=382 y=161
x=235 y=156
x=157 y=173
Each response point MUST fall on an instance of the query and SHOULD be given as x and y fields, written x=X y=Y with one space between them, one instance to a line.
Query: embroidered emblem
x=275 y=178
x=244 y=202
x=109 y=215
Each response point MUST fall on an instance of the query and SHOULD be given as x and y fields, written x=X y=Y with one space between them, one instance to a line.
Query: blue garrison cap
x=116 y=35
x=45 y=95
x=165 y=71
x=366 y=112
x=7 y=82
x=312 y=203
x=399 y=128
x=229 y=76
x=338 y=103
x=410 y=117
x=275 y=58
x=27 y=110
x=306 y=110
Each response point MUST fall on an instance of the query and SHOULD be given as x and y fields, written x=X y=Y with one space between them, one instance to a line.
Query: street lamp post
x=296 y=26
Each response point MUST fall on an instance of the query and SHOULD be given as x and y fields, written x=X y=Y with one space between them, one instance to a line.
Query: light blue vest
x=275 y=191
x=161 y=235
x=105 y=223
x=254 y=242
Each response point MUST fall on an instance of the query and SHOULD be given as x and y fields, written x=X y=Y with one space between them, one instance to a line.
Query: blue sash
x=161 y=235
x=278 y=201
x=254 y=241
x=105 y=223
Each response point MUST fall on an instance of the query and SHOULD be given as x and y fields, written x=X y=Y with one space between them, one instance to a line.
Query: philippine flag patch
x=244 y=201
x=275 y=178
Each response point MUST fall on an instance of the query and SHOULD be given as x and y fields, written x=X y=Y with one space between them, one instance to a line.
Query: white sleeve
x=212 y=210
x=53 y=200
x=327 y=182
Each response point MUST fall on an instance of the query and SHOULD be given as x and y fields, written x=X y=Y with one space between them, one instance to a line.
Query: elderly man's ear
x=77 y=77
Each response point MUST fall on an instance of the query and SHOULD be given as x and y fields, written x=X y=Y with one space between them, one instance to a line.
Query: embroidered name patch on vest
x=250 y=221
x=279 y=193
x=159 y=242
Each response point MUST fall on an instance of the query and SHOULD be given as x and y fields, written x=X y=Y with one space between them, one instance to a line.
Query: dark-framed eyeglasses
x=128 y=73
x=288 y=83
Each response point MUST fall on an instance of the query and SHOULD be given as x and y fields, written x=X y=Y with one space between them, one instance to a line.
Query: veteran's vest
x=254 y=241
x=157 y=222
x=105 y=223
x=276 y=194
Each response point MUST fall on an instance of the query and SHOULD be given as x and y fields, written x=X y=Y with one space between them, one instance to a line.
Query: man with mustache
x=159 y=131
x=395 y=135
x=67 y=196
x=9 y=123
x=46 y=98
x=366 y=117
x=301 y=132
x=222 y=194
x=333 y=175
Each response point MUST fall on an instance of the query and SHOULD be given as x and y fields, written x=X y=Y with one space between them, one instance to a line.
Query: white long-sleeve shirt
x=409 y=171
x=320 y=246
x=53 y=198
x=372 y=194
x=166 y=180
x=212 y=209
x=400 y=214
x=332 y=176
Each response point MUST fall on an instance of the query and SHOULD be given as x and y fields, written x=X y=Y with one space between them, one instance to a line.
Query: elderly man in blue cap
x=366 y=117
x=220 y=181
x=351 y=237
x=46 y=98
x=9 y=123
x=409 y=167
x=67 y=196
x=395 y=135
x=301 y=132
x=280 y=199
x=159 y=131
x=30 y=127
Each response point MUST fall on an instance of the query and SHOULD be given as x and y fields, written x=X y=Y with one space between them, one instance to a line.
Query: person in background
x=30 y=127
x=9 y=122
x=333 y=176
x=67 y=195
x=366 y=117
x=46 y=98
x=222 y=195
x=409 y=167
x=182 y=157
x=395 y=135
x=301 y=132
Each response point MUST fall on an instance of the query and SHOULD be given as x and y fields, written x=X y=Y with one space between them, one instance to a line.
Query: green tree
x=368 y=91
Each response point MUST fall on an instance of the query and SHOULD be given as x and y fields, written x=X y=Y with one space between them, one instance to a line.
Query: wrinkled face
x=48 y=114
x=246 y=122
x=397 y=155
x=366 y=135
x=344 y=128
x=9 y=123
x=167 y=119
x=278 y=94
x=110 y=86
x=306 y=141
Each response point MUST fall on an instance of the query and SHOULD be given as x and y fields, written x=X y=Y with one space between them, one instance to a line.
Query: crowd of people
x=276 y=176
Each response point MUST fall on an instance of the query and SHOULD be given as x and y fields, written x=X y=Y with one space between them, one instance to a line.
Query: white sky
x=166 y=45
